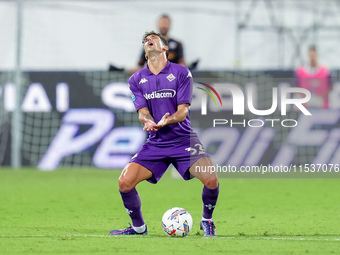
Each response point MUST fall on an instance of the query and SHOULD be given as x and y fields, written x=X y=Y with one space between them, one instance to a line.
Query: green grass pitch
x=71 y=211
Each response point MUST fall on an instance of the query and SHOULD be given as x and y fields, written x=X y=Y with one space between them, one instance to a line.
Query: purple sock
x=133 y=206
x=209 y=197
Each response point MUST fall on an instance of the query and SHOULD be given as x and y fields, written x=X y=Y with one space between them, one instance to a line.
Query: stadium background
x=55 y=57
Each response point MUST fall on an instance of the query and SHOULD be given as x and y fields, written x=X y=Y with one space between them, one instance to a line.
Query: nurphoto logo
x=284 y=94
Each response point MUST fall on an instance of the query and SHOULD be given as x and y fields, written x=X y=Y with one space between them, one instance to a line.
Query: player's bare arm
x=146 y=118
x=178 y=116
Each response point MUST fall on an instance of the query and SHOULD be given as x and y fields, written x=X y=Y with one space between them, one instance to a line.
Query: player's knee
x=210 y=183
x=125 y=184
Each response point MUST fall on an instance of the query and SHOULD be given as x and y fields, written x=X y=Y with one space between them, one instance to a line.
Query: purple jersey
x=162 y=93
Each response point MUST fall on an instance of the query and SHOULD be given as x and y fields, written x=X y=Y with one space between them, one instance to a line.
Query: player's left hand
x=149 y=125
x=163 y=121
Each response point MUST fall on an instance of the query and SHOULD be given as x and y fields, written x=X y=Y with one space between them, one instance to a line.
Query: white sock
x=140 y=229
x=204 y=219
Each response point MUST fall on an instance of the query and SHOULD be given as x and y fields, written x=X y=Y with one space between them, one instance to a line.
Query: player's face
x=164 y=26
x=153 y=43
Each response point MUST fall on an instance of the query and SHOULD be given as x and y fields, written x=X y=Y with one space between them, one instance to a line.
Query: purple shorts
x=182 y=155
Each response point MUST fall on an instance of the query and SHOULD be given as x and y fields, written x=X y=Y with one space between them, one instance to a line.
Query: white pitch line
x=218 y=237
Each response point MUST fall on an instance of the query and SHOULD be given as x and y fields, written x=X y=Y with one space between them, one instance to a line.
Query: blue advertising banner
x=242 y=118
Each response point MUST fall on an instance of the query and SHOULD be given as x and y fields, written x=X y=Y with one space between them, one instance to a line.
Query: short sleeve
x=184 y=89
x=136 y=94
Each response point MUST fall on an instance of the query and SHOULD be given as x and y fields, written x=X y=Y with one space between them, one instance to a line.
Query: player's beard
x=154 y=56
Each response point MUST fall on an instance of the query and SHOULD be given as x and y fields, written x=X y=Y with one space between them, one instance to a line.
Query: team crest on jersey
x=143 y=80
x=171 y=77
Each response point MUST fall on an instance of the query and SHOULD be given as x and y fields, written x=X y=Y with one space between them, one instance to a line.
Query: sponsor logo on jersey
x=171 y=77
x=189 y=74
x=143 y=80
x=163 y=93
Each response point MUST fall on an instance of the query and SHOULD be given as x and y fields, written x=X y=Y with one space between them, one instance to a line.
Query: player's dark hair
x=165 y=42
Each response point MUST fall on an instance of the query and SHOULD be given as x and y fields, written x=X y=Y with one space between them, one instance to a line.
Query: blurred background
x=64 y=67
x=224 y=35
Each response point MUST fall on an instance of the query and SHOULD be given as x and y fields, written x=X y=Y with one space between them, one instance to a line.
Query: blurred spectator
x=175 y=52
x=316 y=79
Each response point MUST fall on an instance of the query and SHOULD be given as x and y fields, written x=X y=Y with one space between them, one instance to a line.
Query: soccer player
x=161 y=93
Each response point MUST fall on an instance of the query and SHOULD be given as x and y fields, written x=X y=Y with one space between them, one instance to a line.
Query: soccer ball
x=177 y=222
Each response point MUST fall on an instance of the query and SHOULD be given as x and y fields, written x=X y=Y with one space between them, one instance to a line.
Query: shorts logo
x=143 y=81
x=163 y=93
x=171 y=77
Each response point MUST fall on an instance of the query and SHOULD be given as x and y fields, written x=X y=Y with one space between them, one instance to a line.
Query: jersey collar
x=164 y=70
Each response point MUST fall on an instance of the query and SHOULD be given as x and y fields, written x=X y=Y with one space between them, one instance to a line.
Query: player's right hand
x=149 y=125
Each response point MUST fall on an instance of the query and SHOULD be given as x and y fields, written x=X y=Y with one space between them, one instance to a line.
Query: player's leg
x=209 y=194
x=132 y=174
